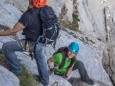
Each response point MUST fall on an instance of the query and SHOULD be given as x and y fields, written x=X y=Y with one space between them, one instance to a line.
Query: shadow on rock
x=3 y=60
x=77 y=82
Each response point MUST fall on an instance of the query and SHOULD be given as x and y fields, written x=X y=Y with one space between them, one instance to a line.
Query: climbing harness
x=28 y=47
x=19 y=42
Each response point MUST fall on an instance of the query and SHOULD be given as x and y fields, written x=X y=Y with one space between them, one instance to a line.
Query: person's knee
x=80 y=63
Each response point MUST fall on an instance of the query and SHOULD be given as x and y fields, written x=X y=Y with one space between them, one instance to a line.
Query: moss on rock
x=67 y=24
x=27 y=79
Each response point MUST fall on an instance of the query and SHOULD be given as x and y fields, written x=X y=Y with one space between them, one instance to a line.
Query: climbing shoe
x=89 y=81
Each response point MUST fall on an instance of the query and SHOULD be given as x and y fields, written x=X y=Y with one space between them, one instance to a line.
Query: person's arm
x=68 y=72
x=49 y=61
x=66 y=75
x=18 y=26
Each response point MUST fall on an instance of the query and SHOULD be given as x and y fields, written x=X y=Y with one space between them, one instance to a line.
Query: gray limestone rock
x=77 y=82
x=7 y=78
x=92 y=25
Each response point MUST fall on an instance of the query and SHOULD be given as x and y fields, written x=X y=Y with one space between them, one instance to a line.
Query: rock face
x=58 y=81
x=7 y=78
x=22 y=5
x=96 y=37
x=91 y=18
x=9 y=14
x=109 y=63
x=78 y=82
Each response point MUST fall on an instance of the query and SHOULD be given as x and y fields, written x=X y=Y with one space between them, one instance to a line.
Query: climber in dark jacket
x=32 y=28
x=65 y=62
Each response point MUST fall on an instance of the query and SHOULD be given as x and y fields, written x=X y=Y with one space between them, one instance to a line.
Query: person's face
x=70 y=54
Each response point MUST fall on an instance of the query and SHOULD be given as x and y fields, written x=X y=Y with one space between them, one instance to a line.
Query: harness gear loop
x=19 y=43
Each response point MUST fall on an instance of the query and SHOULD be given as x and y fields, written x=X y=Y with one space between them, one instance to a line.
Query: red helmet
x=38 y=3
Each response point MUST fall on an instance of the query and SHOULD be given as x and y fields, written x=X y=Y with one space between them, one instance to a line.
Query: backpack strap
x=73 y=60
x=63 y=60
x=54 y=43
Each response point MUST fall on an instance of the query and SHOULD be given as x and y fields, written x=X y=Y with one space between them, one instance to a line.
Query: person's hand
x=65 y=76
x=51 y=69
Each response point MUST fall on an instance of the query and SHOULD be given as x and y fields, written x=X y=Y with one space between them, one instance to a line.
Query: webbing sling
x=63 y=60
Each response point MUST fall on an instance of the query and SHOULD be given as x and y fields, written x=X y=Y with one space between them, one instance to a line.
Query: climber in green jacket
x=65 y=62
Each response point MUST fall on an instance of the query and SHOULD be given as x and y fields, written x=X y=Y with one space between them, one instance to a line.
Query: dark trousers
x=81 y=68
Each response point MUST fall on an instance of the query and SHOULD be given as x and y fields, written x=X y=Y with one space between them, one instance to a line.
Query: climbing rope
x=55 y=83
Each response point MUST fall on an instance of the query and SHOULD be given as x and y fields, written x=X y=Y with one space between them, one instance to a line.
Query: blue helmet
x=73 y=47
